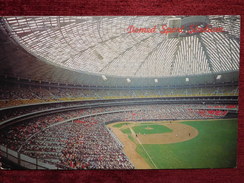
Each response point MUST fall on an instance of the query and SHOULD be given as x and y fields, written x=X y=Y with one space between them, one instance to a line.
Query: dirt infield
x=180 y=132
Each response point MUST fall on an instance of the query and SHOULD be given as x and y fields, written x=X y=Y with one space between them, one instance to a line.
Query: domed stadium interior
x=77 y=92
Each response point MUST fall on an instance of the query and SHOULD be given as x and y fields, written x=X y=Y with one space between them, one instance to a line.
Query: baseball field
x=179 y=144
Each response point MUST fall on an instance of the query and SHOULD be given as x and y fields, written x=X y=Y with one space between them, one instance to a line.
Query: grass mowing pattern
x=214 y=147
x=155 y=129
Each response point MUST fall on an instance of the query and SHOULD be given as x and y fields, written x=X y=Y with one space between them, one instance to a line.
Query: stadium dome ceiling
x=105 y=46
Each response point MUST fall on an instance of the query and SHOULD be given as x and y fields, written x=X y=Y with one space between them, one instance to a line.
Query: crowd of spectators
x=86 y=143
x=20 y=94
x=79 y=146
x=18 y=111
x=13 y=136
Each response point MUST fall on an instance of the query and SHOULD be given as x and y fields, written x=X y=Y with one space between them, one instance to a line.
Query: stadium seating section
x=11 y=95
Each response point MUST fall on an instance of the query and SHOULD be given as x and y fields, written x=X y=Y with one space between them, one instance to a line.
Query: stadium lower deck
x=74 y=136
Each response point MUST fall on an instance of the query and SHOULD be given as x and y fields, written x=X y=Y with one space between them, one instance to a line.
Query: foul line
x=143 y=148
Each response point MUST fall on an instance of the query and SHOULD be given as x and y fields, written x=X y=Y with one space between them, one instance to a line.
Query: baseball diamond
x=189 y=144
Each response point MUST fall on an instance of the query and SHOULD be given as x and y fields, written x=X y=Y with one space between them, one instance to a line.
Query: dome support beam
x=205 y=52
x=121 y=54
x=174 y=56
x=149 y=54
x=232 y=37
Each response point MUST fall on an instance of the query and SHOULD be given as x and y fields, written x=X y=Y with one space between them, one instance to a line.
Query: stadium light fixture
x=156 y=80
x=219 y=76
x=187 y=79
x=104 y=78
x=128 y=80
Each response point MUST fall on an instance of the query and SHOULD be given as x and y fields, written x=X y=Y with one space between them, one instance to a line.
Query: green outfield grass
x=126 y=131
x=214 y=147
x=154 y=129
x=147 y=123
